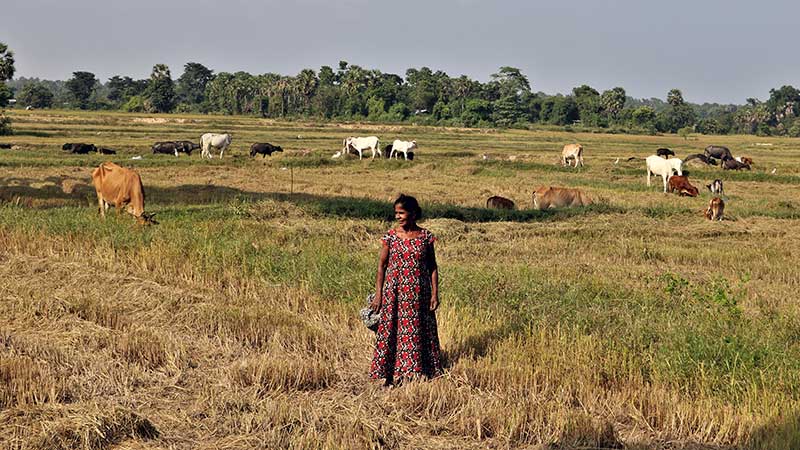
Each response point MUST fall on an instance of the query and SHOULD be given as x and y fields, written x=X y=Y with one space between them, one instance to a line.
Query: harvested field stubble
x=633 y=323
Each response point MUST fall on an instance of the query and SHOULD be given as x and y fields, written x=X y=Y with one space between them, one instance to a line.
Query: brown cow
x=118 y=186
x=732 y=164
x=715 y=209
x=497 y=202
x=557 y=197
x=681 y=185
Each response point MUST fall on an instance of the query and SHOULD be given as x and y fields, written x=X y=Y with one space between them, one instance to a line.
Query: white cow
x=360 y=144
x=572 y=151
x=217 y=141
x=402 y=146
x=657 y=165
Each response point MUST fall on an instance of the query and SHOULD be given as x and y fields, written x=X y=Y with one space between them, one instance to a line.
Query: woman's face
x=402 y=216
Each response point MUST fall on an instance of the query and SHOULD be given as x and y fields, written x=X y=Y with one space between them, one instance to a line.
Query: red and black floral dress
x=407 y=340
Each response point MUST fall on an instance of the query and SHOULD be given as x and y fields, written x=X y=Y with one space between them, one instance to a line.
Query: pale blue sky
x=713 y=50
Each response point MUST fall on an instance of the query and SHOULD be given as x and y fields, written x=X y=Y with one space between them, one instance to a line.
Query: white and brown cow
x=572 y=151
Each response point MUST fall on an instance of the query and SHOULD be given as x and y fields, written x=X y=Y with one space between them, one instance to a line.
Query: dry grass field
x=633 y=323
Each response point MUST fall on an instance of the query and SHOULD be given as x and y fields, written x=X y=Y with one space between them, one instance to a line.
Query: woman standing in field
x=407 y=295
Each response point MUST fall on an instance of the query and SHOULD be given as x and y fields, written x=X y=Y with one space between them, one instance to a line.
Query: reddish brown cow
x=118 y=186
x=681 y=185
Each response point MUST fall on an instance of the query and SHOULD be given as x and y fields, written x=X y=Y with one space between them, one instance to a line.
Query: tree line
x=350 y=92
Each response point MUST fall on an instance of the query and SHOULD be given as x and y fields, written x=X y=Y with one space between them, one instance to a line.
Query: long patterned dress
x=407 y=339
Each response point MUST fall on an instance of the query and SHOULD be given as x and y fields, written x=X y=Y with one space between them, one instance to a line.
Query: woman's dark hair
x=410 y=204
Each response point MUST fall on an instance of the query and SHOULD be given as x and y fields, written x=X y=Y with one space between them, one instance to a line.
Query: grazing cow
x=106 y=151
x=79 y=148
x=360 y=144
x=402 y=146
x=118 y=186
x=716 y=187
x=545 y=197
x=657 y=165
x=497 y=202
x=572 y=151
x=732 y=164
x=744 y=160
x=264 y=149
x=718 y=151
x=665 y=152
x=410 y=156
x=715 y=209
x=216 y=141
x=5 y=146
x=707 y=160
x=681 y=185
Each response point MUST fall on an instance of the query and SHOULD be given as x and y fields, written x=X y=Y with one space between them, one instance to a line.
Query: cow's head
x=146 y=219
x=278 y=148
x=252 y=151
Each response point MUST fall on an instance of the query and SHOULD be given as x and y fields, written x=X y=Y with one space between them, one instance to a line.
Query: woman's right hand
x=375 y=304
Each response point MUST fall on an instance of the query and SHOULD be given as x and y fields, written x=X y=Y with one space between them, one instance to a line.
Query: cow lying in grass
x=497 y=202
x=545 y=197
x=657 y=165
x=732 y=164
x=681 y=185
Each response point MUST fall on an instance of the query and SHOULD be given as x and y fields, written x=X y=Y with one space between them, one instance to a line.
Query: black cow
x=166 y=147
x=701 y=157
x=79 y=148
x=718 y=151
x=186 y=146
x=5 y=145
x=106 y=151
x=665 y=152
x=264 y=149
x=387 y=150
x=732 y=164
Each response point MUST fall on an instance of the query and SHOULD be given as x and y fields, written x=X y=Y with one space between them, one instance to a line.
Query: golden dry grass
x=636 y=324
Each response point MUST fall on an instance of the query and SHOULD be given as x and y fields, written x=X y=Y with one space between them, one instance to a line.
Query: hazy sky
x=713 y=50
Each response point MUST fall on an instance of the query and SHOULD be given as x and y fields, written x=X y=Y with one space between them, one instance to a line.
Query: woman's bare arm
x=434 y=268
x=383 y=262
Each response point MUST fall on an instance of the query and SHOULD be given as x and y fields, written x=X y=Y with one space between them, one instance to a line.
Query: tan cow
x=546 y=197
x=118 y=186
x=716 y=207
x=572 y=151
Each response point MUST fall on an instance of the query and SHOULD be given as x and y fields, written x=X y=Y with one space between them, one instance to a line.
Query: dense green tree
x=6 y=72
x=191 y=85
x=784 y=104
x=36 y=95
x=590 y=107
x=6 y=63
x=675 y=97
x=613 y=101
x=307 y=84
x=81 y=86
x=120 y=89
x=161 y=89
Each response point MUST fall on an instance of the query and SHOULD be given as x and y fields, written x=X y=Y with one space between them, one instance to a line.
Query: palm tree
x=6 y=63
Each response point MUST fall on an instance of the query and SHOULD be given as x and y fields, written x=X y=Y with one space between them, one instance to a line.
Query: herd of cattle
x=121 y=187
x=661 y=164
